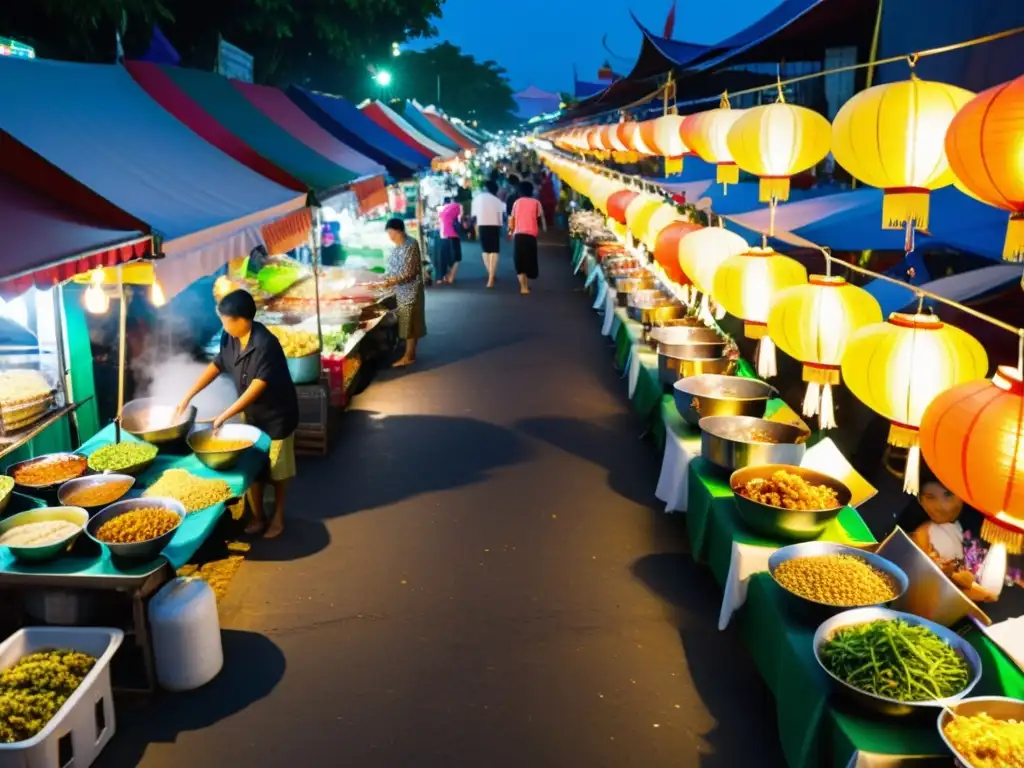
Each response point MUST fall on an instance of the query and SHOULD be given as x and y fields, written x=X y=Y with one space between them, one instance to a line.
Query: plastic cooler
x=78 y=732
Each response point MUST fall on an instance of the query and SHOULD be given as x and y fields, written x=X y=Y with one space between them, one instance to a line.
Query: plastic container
x=84 y=725
x=186 y=634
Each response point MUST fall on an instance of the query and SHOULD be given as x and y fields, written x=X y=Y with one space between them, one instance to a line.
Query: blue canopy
x=416 y=118
x=340 y=118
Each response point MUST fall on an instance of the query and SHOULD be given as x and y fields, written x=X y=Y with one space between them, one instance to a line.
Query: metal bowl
x=656 y=315
x=813 y=611
x=305 y=369
x=689 y=342
x=716 y=395
x=672 y=369
x=996 y=707
x=50 y=487
x=142 y=550
x=884 y=704
x=154 y=421
x=727 y=441
x=133 y=469
x=93 y=481
x=221 y=460
x=776 y=522
x=45 y=552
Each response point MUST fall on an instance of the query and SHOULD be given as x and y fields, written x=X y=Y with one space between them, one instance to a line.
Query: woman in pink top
x=451 y=247
x=527 y=214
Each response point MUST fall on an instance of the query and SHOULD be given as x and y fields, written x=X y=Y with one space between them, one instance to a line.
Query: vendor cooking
x=252 y=356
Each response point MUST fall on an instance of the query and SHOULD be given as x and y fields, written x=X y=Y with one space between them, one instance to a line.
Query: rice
x=38 y=534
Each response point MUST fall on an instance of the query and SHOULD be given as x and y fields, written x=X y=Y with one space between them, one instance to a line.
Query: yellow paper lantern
x=706 y=134
x=892 y=136
x=812 y=323
x=639 y=213
x=662 y=217
x=777 y=141
x=897 y=368
x=703 y=251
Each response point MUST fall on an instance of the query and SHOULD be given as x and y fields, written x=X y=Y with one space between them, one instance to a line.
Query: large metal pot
x=715 y=395
x=689 y=343
x=672 y=369
x=735 y=442
x=779 y=522
x=656 y=315
x=633 y=283
x=155 y=422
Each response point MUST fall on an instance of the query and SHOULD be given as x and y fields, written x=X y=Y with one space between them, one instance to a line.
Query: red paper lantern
x=666 y=249
x=619 y=202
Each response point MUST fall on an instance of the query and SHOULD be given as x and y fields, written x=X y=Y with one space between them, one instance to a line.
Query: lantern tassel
x=766 y=358
x=994 y=533
x=773 y=187
x=905 y=204
x=827 y=412
x=811 y=397
x=727 y=173
x=1013 y=248
x=673 y=166
x=912 y=474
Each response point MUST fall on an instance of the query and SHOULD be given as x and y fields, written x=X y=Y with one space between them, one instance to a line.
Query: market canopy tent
x=533 y=102
x=351 y=126
x=231 y=109
x=394 y=124
x=446 y=126
x=94 y=123
x=419 y=121
x=278 y=107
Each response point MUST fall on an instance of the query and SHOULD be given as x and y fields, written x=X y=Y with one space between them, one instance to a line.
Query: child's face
x=941 y=504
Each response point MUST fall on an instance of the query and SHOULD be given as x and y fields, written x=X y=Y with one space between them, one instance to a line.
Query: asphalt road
x=477 y=575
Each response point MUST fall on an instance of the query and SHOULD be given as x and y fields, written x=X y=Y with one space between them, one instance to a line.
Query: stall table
x=88 y=566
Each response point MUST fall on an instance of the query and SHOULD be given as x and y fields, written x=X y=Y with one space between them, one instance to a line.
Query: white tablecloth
x=608 y=328
x=602 y=291
x=746 y=560
x=674 y=480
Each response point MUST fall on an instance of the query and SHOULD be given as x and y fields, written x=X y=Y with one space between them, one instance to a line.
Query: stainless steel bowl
x=727 y=442
x=94 y=481
x=221 y=460
x=305 y=369
x=996 y=707
x=49 y=488
x=776 y=522
x=715 y=395
x=656 y=315
x=672 y=369
x=883 y=704
x=633 y=283
x=813 y=611
x=44 y=552
x=689 y=342
x=155 y=422
x=142 y=550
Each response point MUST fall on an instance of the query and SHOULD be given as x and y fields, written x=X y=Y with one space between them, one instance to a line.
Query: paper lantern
x=893 y=136
x=702 y=252
x=746 y=285
x=618 y=203
x=898 y=367
x=666 y=249
x=812 y=323
x=639 y=213
x=706 y=134
x=629 y=134
x=662 y=135
x=985 y=147
x=972 y=437
x=776 y=142
x=663 y=216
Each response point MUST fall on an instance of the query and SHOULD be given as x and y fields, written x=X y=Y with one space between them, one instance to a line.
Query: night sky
x=566 y=32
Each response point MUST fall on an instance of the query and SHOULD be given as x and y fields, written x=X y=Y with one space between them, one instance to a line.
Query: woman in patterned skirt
x=405 y=274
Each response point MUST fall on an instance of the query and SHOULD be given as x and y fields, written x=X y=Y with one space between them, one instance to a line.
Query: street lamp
x=383 y=78
x=395 y=50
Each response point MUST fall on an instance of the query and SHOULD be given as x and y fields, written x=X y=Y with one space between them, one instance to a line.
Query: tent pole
x=122 y=343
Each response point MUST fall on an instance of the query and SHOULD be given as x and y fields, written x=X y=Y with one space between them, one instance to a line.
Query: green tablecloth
x=89 y=559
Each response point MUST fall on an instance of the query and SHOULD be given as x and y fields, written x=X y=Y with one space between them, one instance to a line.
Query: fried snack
x=50 y=470
x=138 y=525
x=98 y=495
x=842 y=580
x=762 y=436
x=217 y=445
x=34 y=690
x=20 y=386
x=296 y=343
x=116 y=457
x=987 y=742
x=195 y=493
x=39 y=534
x=786 y=490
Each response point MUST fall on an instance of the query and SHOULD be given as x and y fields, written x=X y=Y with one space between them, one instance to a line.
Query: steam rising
x=168 y=379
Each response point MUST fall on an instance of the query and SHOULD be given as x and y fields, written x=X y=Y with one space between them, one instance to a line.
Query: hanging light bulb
x=156 y=294
x=96 y=301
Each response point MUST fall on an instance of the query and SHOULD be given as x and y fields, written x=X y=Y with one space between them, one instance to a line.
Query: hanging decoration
x=631 y=136
x=619 y=202
x=897 y=368
x=706 y=133
x=666 y=250
x=700 y=255
x=812 y=323
x=639 y=213
x=985 y=147
x=972 y=438
x=746 y=285
x=892 y=136
x=662 y=217
x=620 y=149
x=662 y=135
x=775 y=142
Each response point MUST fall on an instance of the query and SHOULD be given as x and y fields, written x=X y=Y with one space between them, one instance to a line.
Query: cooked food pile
x=138 y=525
x=34 y=690
x=762 y=436
x=789 y=491
x=99 y=494
x=296 y=343
x=38 y=534
x=50 y=470
x=117 y=457
x=896 y=660
x=987 y=742
x=21 y=386
x=843 y=580
x=217 y=445
x=195 y=493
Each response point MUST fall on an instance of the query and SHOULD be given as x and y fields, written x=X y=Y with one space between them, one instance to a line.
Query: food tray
x=15 y=417
x=78 y=732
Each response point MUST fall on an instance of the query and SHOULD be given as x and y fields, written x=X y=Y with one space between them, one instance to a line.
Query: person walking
x=488 y=213
x=527 y=214
x=451 y=246
x=405 y=274
x=547 y=198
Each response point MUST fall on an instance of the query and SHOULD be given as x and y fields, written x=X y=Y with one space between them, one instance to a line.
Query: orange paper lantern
x=706 y=134
x=985 y=147
x=619 y=202
x=666 y=250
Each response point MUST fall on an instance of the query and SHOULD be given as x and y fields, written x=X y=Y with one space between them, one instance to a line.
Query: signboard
x=9 y=47
x=233 y=62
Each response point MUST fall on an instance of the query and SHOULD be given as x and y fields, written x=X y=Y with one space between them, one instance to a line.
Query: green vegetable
x=6 y=484
x=896 y=660
x=119 y=456
x=34 y=690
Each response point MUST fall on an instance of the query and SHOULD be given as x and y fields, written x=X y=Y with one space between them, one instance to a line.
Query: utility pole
x=439 y=91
